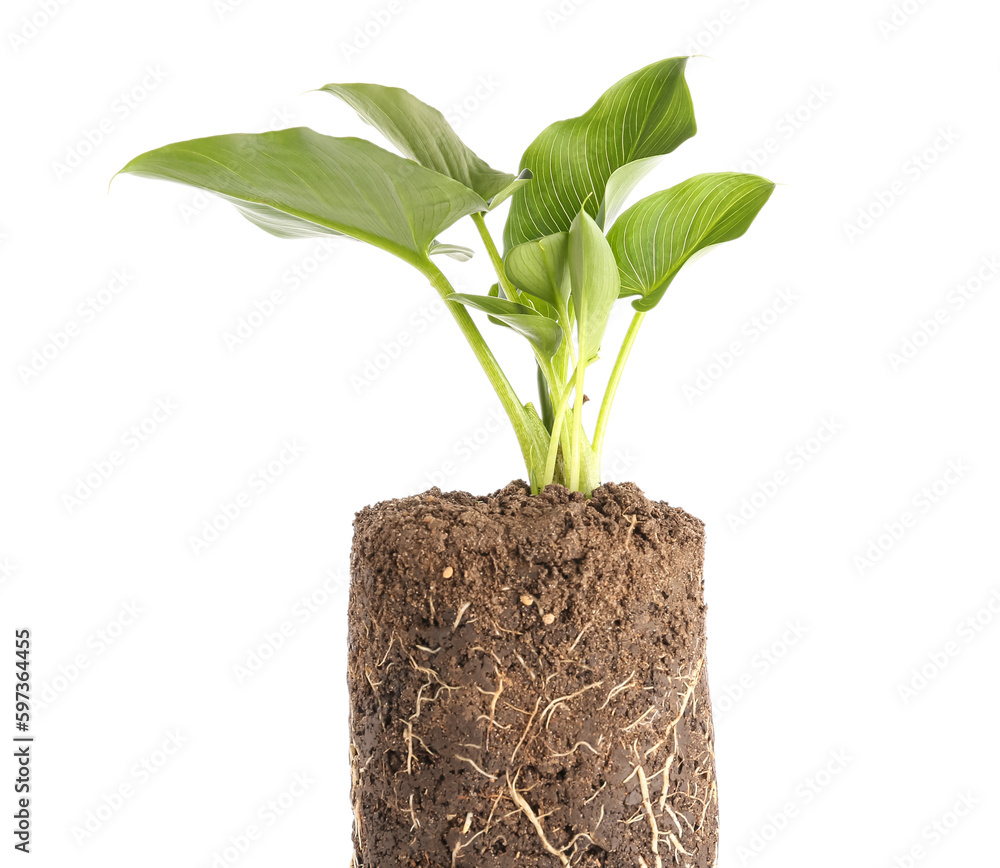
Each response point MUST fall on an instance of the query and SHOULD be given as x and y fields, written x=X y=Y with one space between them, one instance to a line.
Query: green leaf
x=454 y=251
x=511 y=188
x=595 y=283
x=620 y=184
x=423 y=134
x=647 y=113
x=657 y=235
x=540 y=268
x=297 y=182
x=542 y=333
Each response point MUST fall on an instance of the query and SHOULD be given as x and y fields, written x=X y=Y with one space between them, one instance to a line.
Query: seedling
x=571 y=252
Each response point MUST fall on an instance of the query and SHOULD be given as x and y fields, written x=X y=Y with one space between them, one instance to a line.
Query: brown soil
x=528 y=684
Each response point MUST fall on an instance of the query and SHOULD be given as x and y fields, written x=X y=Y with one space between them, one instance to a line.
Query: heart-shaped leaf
x=297 y=182
x=657 y=235
x=423 y=134
x=542 y=333
x=540 y=268
x=647 y=113
x=595 y=283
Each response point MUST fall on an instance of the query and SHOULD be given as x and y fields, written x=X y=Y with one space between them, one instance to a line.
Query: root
x=650 y=712
x=493 y=706
x=588 y=801
x=654 y=828
x=472 y=763
x=678 y=846
x=555 y=703
x=618 y=688
x=522 y=803
x=572 y=750
x=576 y=641
x=631 y=527
x=458 y=618
x=387 y=650
x=524 y=734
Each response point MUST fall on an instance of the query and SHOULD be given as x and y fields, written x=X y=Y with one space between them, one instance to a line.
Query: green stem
x=557 y=437
x=501 y=385
x=574 y=472
x=509 y=289
x=616 y=375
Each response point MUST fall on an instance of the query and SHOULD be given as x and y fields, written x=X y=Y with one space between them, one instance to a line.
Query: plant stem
x=509 y=289
x=616 y=375
x=501 y=385
x=574 y=471
x=557 y=427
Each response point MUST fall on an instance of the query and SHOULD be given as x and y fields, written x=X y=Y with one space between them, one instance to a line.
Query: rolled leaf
x=511 y=188
x=297 y=182
x=595 y=283
x=453 y=251
x=541 y=268
x=543 y=334
x=647 y=113
x=657 y=235
x=421 y=133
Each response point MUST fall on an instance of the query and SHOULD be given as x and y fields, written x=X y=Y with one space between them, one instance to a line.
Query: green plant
x=560 y=275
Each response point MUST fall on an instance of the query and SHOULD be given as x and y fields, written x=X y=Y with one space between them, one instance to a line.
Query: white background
x=809 y=646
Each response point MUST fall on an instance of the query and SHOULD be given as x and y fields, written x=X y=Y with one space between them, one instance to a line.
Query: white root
x=522 y=803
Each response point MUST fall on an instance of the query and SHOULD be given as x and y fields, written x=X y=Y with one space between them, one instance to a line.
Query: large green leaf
x=646 y=114
x=297 y=182
x=543 y=334
x=657 y=235
x=540 y=268
x=421 y=133
x=595 y=283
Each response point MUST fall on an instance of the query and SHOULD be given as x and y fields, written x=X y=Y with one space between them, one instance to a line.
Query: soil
x=528 y=683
